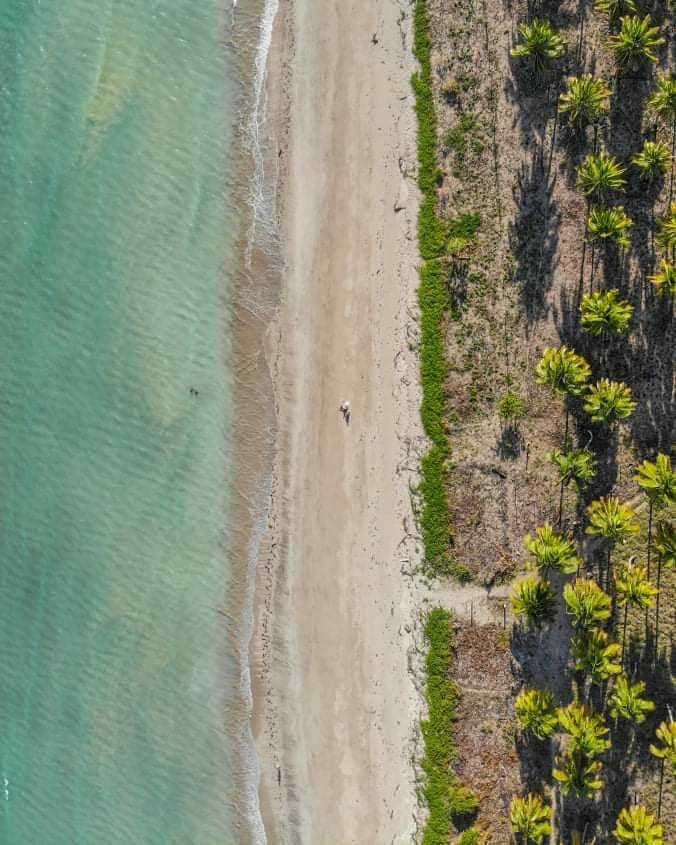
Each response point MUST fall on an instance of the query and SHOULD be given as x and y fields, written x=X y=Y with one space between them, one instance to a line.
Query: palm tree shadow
x=624 y=127
x=536 y=758
x=534 y=236
x=532 y=650
x=648 y=368
x=533 y=95
x=658 y=673
x=510 y=443
x=605 y=444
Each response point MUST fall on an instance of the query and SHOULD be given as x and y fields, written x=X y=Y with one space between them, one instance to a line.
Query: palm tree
x=658 y=482
x=665 y=279
x=611 y=519
x=586 y=603
x=626 y=700
x=564 y=371
x=614 y=8
x=663 y=101
x=585 y=100
x=540 y=42
x=633 y=587
x=663 y=104
x=635 y=826
x=586 y=729
x=534 y=712
x=614 y=521
x=533 y=599
x=575 y=772
x=665 y=543
x=609 y=401
x=529 y=817
x=603 y=313
x=666 y=235
x=576 y=465
x=665 y=750
x=551 y=550
x=653 y=160
x=600 y=174
x=636 y=41
x=608 y=225
x=596 y=655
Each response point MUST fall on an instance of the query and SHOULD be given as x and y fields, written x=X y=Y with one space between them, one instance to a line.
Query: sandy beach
x=335 y=707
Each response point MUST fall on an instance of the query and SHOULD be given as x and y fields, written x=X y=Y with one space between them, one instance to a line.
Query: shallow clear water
x=116 y=240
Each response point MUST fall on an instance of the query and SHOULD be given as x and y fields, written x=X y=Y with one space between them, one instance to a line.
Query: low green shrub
x=462 y=231
x=463 y=801
x=435 y=238
x=469 y=837
x=431 y=235
x=511 y=406
x=442 y=697
x=444 y=796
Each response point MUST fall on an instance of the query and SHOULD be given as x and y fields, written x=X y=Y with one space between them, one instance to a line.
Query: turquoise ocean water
x=117 y=234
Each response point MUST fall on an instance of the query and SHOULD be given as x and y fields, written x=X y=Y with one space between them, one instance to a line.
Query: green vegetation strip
x=431 y=234
x=440 y=789
x=433 y=297
x=435 y=518
x=444 y=797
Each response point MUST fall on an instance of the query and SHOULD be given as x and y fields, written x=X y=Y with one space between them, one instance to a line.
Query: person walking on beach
x=345 y=410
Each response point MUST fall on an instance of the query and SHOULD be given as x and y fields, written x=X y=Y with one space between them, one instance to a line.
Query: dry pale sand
x=335 y=706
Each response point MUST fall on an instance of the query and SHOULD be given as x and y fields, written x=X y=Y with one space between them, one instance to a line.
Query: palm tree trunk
x=673 y=150
x=657 y=606
x=580 y=289
x=650 y=538
x=659 y=797
x=551 y=149
x=650 y=532
x=601 y=571
x=610 y=589
x=552 y=821
x=593 y=264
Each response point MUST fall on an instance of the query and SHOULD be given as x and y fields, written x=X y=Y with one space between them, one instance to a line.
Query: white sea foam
x=262 y=209
x=252 y=774
x=261 y=234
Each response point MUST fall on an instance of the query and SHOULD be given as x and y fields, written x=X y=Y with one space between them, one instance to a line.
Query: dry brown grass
x=504 y=153
x=485 y=729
